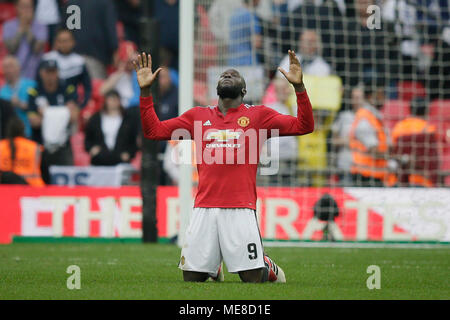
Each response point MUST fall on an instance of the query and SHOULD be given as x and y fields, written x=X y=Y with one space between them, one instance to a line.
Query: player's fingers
x=149 y=61
x=140 y=61
x=136 y=67
x=155 y=74
x=144 y=59
x=283 y=72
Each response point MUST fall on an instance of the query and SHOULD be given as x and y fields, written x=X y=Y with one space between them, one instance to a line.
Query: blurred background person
x=415 y=146
x=48 y=13
x=97 y=40
x=54 y=117
x=246 y=35
x=124 y=79
x=110 y=137
x=71 y=66
x=369 y=141
x=15 y=90
x=167 y=12
x=25 y=38
x=340 y=146
x=309 y=54
x=129 y=12
x=20 y=156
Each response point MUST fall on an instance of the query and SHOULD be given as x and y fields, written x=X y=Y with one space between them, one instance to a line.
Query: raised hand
x=145 y=76
x=295 y=74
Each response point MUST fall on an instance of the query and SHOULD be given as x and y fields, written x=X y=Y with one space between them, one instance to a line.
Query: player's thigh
x=240 y=239
x=201 y=250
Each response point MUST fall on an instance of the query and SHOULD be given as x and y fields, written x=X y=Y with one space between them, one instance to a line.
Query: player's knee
x=190 y=276
x=253 y=276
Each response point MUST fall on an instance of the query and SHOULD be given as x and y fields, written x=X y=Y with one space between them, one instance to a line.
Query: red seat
x=7 y=11
x=394 y=111
x=407 y=90
x=439 y=109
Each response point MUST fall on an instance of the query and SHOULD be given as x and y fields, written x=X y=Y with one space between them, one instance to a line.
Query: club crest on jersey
x=243 y=121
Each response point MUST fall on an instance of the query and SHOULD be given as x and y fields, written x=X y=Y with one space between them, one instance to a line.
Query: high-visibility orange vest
x=408 y=127
x=27 y=162
x=363 y=162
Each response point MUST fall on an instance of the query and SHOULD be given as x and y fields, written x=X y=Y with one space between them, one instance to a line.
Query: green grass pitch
x=138 y=271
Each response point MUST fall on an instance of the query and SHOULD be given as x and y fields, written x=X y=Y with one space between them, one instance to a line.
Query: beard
x=228 y=92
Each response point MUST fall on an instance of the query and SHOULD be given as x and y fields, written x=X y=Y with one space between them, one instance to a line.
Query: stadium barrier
x=285 y=214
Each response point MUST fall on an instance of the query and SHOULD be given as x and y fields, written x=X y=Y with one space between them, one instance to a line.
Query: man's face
x=309 y=43
x=11 y=69
x=357 y=98
x=230 y=85
x=49 y=78
x=64 y=42
x=25 y=10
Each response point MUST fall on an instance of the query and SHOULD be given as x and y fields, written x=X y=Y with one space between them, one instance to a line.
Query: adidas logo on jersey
x=207 y=123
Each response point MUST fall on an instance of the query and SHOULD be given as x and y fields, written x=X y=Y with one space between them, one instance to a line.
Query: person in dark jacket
x=110 y=137
x=97 y=38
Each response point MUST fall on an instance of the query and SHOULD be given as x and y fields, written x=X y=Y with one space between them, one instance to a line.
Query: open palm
x=295 y=74
x=143 y=67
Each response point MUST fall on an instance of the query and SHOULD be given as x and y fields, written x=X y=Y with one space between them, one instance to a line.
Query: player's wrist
x=299 y=88
x=146 y=92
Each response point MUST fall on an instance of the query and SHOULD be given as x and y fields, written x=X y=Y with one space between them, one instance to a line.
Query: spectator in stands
x=110 y=137
x=246 y=38
x=415 y=146
x=16 y=89
x=54 y=115
x=19 y=156
x=129 y=12
x=167 y=12
x=124 y=79
x=404 y=16
x=309 y=55
x=6 y=112
x=340 y=148
x=48 y=13
x=219 y=15
x=369 y=142
x=25 y=38
x=71 y=66
x=327 y=18
x=97 y=39
x=370 y=48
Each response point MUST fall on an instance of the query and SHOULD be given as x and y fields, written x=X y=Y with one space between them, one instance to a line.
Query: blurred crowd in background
x=71 y=97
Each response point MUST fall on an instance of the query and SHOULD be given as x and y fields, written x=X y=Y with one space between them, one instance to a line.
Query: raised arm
x=152 y=127
x=289 y=125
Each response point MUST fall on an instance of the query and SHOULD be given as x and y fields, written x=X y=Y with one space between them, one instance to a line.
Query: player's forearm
x=152 y=127
x=304 y=112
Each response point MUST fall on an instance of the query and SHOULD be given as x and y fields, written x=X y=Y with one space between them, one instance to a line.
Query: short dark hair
x=418 y=107
x=372 y=82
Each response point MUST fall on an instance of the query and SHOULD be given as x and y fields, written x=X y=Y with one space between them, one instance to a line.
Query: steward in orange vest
x=369 y=145
x=415 y=144
x=20 y=155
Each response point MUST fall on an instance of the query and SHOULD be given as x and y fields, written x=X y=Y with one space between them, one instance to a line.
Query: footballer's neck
x=227 y=103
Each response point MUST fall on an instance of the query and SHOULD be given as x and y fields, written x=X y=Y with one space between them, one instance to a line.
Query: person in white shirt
x=309 y=55
x=110 y=138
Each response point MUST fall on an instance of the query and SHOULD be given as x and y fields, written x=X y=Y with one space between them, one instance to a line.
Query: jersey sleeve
x=290 y=125
x=155 y=129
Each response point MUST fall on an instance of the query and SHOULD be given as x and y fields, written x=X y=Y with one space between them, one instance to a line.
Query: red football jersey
x=227 y=146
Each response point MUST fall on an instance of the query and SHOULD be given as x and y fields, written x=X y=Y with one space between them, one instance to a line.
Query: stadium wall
x=285 y=214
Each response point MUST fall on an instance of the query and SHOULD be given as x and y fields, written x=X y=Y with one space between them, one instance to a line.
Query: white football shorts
x=214 y=234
